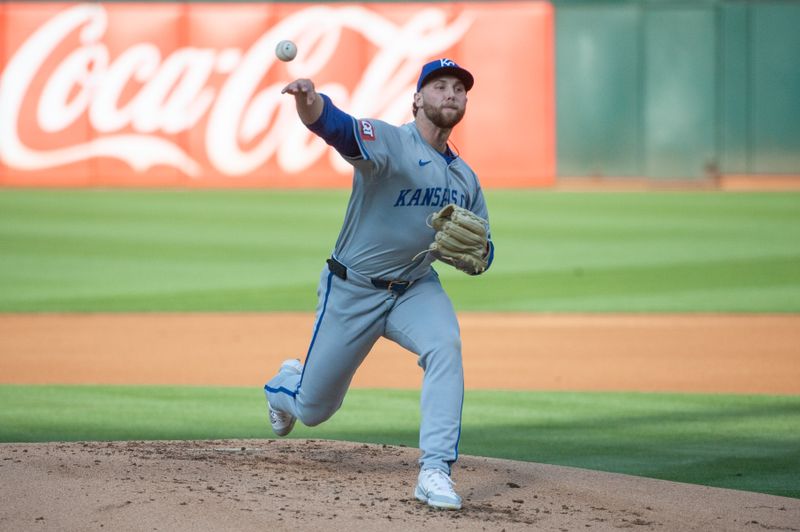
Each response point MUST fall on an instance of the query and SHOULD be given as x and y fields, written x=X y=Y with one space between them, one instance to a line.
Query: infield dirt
x=308 y=484
x=516 y=351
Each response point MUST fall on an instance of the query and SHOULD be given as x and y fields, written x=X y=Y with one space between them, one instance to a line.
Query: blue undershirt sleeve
x=335 y=127
x=491 y=255
x=490 y=258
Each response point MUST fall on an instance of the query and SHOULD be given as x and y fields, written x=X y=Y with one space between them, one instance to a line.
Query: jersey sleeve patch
x=366 y=130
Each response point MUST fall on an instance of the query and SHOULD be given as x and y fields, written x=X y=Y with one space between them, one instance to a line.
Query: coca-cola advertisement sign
x=189 y=94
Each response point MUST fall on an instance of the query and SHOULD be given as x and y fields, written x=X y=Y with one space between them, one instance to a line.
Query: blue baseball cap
x=441 y=67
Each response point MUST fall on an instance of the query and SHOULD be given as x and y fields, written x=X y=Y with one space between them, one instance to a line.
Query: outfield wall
x=187 y=93
x=676 y=89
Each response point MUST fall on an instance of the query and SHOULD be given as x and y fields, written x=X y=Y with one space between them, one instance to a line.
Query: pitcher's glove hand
x=461 y=239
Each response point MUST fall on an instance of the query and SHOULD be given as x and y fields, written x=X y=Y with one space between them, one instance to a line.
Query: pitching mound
x=305 y=484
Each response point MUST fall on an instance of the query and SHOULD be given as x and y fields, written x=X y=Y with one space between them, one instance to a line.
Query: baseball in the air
x=286 y=50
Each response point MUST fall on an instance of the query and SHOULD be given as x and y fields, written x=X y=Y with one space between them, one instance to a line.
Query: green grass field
x=126 y=250
x=110 y=250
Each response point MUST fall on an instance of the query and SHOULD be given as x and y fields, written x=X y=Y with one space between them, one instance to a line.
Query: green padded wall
x=598 y=87
x=677 y=89
x=679 y=104
x=775 y=87
x=734 y=72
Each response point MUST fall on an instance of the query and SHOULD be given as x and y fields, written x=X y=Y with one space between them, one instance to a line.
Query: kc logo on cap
x=444 y=66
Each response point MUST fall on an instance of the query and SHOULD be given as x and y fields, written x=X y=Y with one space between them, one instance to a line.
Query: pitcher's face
x=444 y=101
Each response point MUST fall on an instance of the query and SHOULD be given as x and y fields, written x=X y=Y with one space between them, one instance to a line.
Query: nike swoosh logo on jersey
x=423 y=163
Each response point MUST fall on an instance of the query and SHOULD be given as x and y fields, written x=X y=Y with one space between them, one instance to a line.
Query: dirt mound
x=304 y=484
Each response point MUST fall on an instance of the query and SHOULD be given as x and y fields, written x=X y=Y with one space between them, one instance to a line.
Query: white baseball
x=286 y=50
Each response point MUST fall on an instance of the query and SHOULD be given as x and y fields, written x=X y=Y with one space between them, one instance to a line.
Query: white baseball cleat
x=435 y=487
x=283 y=422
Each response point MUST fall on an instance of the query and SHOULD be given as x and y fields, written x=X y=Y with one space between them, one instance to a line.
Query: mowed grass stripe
x=257 y=250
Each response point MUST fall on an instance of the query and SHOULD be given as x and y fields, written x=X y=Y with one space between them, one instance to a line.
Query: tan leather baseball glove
x=461 y=238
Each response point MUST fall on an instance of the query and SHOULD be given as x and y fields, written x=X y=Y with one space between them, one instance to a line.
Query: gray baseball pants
x=351 y=315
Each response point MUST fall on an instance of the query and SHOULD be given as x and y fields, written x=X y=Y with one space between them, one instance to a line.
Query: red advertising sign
x=188 y=94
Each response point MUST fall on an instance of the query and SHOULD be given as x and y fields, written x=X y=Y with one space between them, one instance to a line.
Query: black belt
x=398 y=287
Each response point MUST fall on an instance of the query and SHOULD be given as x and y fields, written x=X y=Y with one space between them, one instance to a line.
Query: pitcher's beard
x=439 y=119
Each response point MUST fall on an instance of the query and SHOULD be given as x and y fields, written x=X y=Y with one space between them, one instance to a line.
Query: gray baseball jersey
x=399 y=181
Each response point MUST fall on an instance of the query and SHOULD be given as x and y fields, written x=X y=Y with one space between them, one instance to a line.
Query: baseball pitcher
x=414 y=201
